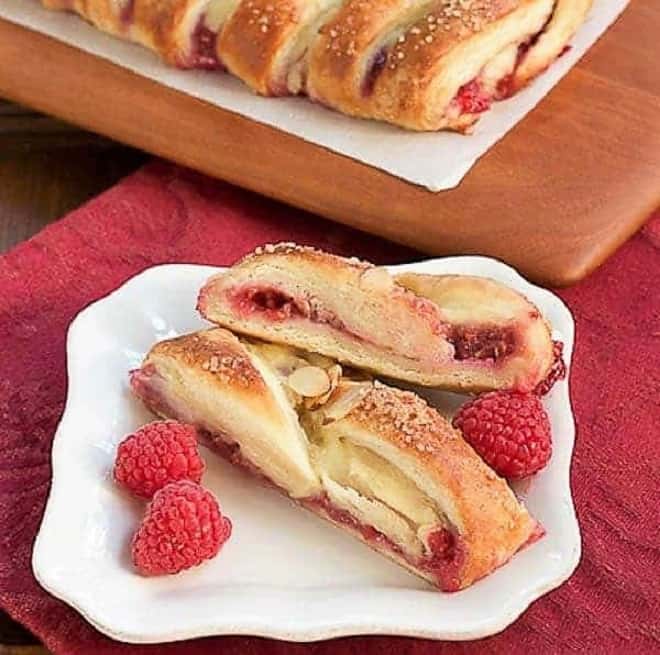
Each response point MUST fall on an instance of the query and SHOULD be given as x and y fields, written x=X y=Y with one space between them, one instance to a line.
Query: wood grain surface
x=47 y=168
x=554 y=198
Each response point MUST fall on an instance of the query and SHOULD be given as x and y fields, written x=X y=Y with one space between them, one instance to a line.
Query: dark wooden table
x=47 y=168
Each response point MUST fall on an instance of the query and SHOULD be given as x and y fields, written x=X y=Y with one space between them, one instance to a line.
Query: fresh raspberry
x=509 y=429
x=158 y=453
x=182 y=528
x=557 y=370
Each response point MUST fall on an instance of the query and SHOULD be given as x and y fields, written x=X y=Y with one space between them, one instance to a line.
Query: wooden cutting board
x=557 y=196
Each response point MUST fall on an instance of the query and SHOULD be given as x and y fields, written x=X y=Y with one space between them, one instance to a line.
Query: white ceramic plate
x=284 y=573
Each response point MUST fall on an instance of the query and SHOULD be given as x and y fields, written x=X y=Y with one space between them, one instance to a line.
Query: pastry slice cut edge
x=397 y=328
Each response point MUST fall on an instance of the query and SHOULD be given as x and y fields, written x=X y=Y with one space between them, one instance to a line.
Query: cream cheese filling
x=355 y=478
x=375 y=492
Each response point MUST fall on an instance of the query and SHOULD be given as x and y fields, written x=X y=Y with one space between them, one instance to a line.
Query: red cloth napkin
x=166 y=214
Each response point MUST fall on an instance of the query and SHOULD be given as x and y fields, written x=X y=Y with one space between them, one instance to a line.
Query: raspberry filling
x=506 y=87
x=126 y=13
x=373 y=71
x=203 y=48
x=557 y=370
x=472 y=98
x=482 y=343
x=368 y=532
x=446 y=558
x=276 y=305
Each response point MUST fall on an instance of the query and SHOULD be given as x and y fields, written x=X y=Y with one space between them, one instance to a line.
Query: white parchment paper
x=436 y=161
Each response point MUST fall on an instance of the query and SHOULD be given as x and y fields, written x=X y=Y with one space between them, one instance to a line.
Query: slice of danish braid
x=460 y=333
x=376 y=461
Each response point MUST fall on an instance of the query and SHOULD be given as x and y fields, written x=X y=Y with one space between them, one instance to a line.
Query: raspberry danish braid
x=419 y=64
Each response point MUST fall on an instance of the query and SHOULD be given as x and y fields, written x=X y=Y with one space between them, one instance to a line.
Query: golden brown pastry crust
x=415 y=64
x=203 y=377
x=165 y=26
x=359 y=315
x=60 y=5
x=106 y=15
x=219 y=359
x=421 y=65
x=251 y=40
x=263 y=40
x=210 y=379
x=346 y=47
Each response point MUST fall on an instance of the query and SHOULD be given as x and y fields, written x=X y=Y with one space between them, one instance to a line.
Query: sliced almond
x=348 y=397
x=334 y=375
x=282 y=359
x=309 y=381
x=377 y=279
